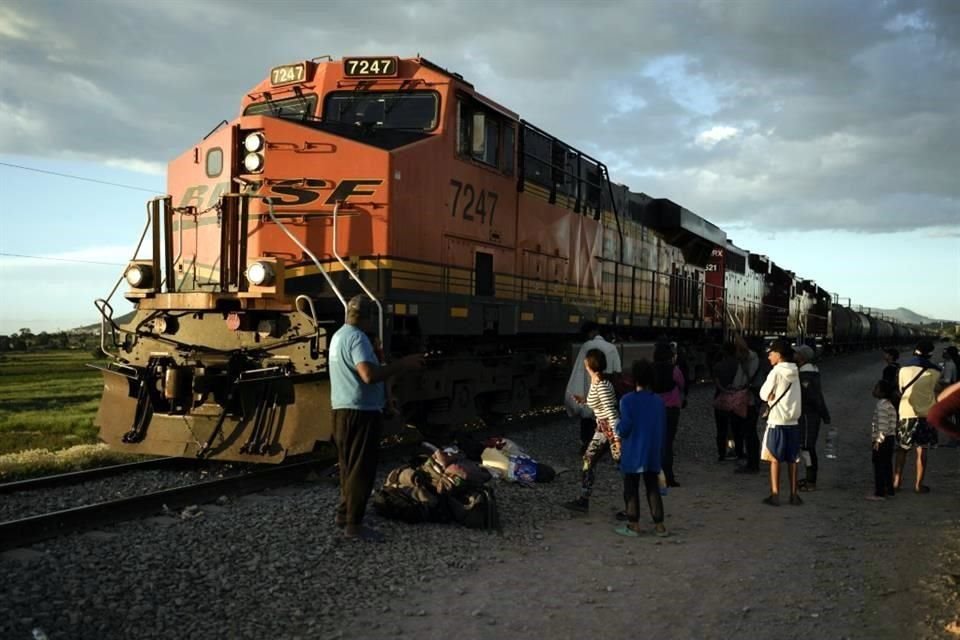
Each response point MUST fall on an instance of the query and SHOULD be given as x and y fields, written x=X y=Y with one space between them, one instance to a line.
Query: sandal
x=922 y=489
x=626 y=531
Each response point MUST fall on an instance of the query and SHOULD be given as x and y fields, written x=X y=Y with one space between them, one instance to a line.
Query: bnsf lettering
x=196 y=195
x=287 y=193
x=297 y=192
x=348 y=188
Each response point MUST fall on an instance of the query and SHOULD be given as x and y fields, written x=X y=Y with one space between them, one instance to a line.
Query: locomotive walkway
x=273 y=566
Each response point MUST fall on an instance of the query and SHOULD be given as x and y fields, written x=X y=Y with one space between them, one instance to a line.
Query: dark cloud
x=805 y=115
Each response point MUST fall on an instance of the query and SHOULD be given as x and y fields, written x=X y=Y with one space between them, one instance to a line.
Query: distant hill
x=95 y=327
x=907 y=316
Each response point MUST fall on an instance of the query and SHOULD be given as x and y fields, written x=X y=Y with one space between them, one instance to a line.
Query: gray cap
x=806 y=352
x=360 y=305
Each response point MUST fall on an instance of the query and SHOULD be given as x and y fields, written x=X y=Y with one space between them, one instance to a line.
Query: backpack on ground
x=475 y=508
x=432 y=492
x=397 y=503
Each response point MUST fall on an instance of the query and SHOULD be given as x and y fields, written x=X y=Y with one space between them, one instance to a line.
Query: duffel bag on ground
x=397 y=503
x=475 y=508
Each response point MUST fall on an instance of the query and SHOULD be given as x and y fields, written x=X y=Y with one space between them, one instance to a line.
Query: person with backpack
x=813 y=411
x=781 y=440
x=668 y=383
x=918 y=378
x=602 y=401
x=730 y=403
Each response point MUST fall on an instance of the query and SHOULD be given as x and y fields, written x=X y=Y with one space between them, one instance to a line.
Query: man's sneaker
x=772 y=500
x=795 y=500
x=580 y=505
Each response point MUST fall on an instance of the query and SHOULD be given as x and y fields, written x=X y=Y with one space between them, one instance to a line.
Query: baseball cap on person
x=806 y=352
x=924 y=348
x=782 y=347
x=360 y=304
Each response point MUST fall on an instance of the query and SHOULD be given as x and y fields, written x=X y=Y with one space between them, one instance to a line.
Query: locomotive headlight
x=139 y=276
x=254 y=141
x=253 y=162
x=260 y=273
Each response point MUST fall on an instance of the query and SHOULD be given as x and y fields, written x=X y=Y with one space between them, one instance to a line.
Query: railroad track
x=77 y=477
x=32 y=529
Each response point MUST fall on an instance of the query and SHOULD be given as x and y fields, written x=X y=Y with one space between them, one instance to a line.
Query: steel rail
x=33 y=529
x=76 y=477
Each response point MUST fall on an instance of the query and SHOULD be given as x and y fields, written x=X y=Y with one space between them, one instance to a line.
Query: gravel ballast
x=273 y=565
x=132 y=483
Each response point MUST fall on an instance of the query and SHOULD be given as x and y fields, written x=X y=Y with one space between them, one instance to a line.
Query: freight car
x=483 y=240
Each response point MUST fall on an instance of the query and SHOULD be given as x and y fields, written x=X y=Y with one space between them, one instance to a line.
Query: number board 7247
x=370 y=67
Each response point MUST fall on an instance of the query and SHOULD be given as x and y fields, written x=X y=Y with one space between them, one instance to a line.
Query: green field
x=48 y=400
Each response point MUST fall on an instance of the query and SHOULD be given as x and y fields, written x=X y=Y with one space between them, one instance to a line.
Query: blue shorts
x=782 y=443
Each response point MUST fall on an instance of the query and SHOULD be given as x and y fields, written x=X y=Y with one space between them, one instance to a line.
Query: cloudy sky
x=824 y=134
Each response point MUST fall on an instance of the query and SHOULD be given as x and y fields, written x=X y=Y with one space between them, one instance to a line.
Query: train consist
x=484 y=241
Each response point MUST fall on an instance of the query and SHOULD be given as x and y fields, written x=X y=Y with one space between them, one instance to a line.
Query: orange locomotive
x=482 y=239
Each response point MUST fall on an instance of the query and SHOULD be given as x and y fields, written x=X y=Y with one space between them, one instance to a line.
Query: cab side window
x=484 y=136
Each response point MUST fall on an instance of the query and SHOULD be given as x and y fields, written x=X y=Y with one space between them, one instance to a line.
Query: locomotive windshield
x=299 y=108
x=387 y=110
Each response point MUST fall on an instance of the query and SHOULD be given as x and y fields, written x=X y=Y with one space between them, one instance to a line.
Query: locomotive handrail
x=336 y=254
x=101 y=304
x=309 y=253
x=313 y=311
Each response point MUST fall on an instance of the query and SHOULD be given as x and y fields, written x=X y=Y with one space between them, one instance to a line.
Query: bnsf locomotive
x=483 y=240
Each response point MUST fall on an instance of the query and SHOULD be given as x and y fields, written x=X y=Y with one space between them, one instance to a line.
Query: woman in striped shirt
x=884 y=430
x=602 y=399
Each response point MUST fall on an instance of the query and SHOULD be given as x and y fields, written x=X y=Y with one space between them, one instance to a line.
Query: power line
x=19 y=255
x=67 y=175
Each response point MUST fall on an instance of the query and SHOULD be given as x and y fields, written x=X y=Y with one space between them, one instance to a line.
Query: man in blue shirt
x=357 y=399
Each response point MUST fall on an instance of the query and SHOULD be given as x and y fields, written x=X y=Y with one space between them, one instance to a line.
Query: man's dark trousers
x=357 y=436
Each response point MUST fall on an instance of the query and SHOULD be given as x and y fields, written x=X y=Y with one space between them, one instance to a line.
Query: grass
x=36 y=462
x=48 y=400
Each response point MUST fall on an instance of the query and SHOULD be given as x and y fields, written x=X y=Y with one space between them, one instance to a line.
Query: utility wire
x=67 y=175
x=18 y=255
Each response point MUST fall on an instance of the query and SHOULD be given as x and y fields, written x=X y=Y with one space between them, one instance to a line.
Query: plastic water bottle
x=830 y=448
x=662 y=483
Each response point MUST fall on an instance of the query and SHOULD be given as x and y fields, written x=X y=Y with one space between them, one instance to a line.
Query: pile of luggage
x=451 y=486
x=446 y=487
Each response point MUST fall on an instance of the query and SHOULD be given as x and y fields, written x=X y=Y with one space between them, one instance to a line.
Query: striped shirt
x=603 y=400
x=884 y=420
